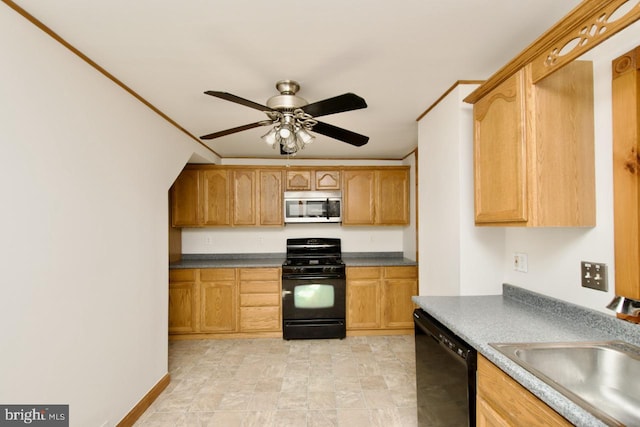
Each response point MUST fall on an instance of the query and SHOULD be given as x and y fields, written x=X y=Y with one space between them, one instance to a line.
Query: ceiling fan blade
x=340 y=134
x=233 y=98
x=236 y=129
x=337 y=104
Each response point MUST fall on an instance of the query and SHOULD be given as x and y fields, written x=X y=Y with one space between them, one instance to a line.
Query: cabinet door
x=218 y=300
x=398 y=286
x=500 y=153
x=327 y=180
x=392 y=203
x=299 y=180
x=270 y=197
x=216 y=197
x=358 y=197
x=514 y=404
x=244 y=197
x=184 y=199
x=486 y=416
x=182 y=301
x=363 y=298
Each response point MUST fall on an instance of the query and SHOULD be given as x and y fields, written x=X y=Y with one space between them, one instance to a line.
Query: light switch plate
x=594 y=275
x=520 y=262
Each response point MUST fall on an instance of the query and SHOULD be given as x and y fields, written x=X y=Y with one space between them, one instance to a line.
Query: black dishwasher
x=445 y=375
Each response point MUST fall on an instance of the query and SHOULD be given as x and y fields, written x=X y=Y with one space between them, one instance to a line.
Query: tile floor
x=358 y=381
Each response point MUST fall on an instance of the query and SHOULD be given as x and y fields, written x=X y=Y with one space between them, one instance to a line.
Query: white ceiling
x=399 y=56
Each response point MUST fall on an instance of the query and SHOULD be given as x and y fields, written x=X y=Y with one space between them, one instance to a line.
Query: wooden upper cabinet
x=298 y=180
x=244 y=197
x=185 y=195
x=358 y=197
x=270 y=197
x=216 y=197
x=392 y=203
x=308 y=179
x=534 y=150
x=227 y=196
x=375 y=196
x=327 y=180
x=500 y=153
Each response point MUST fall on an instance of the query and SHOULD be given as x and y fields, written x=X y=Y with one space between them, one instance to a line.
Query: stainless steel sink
x=601 y=377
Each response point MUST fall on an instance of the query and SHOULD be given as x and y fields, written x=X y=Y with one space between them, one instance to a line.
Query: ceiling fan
x=293 y=117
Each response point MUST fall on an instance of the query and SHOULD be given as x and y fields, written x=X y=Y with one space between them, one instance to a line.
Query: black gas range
x=313 y=289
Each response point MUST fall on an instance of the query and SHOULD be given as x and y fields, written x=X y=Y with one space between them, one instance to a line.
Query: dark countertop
x=352 y=259
x=376 y=259
x=523 y=316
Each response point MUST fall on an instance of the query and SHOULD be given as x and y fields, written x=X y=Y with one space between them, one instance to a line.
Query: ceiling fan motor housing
x=287 y=100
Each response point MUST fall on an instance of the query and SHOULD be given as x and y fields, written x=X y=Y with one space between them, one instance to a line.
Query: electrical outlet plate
x=520 y=262
x=594 y=275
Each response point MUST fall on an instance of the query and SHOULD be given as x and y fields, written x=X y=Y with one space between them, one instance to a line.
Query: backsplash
x=273 y=240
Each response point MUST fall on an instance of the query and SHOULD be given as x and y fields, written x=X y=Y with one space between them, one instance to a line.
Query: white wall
x=84 y=174
x=273 y=240
x=554 y=255
x=455 y=257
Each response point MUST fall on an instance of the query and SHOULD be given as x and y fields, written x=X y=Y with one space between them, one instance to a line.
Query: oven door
x=313 y=298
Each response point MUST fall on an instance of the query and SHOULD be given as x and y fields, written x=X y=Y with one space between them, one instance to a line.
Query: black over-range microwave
x=312 y=206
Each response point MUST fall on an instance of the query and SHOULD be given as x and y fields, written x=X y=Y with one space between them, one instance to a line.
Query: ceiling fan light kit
x=292 y=118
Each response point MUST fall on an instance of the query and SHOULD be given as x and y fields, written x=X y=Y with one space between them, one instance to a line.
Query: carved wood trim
x=625 y=63
x=572 y=22
x=593 y=31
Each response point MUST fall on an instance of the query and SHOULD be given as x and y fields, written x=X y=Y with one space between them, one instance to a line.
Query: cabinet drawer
x=260 y=319
x=408 y=272
x=259 y=300
x=180 y=275
x=363 y=273
x=265 y=287
x=216 y=274
x=262 y=274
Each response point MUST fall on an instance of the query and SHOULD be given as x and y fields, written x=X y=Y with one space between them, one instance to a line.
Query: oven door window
x=313 y=296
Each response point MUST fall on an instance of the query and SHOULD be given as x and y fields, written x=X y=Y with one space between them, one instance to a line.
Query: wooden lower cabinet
x=501 y=401
x=224 y=302
x=363 y=298
x=260 y=300
x=218 y=300
x=246 y=302
x=379 y=299
x=182 y=301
